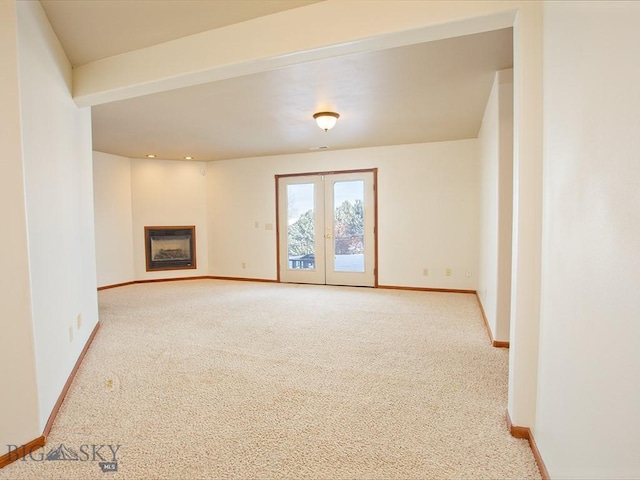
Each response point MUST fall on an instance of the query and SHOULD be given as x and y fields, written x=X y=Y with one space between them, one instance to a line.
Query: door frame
x=374 y=171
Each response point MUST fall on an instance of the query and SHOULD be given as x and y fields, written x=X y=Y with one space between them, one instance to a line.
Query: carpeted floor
x=212 y=379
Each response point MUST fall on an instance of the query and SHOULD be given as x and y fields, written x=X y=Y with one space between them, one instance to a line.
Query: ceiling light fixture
x=188 y=158
x=326 y=120
x=150 y=155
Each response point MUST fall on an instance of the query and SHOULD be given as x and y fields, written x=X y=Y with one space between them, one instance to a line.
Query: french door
x=326 y=228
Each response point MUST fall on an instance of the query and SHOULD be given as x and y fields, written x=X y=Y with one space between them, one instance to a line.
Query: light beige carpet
x=212 y=379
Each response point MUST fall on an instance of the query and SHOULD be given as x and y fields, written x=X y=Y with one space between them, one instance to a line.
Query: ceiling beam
x=321 y=30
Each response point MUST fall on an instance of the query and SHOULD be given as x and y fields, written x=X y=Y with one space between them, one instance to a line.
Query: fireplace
x=170 y=248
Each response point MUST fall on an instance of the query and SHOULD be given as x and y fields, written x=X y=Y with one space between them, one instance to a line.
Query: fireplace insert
x=170 y=248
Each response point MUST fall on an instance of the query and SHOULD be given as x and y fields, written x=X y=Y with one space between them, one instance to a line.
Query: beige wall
x=588 y=411
x=527 y=213
x=427 y=211
x=496 y=195
x=59 y=194
x=168 y=193
x=113 y=219
x=19 y=415
x=54 y=168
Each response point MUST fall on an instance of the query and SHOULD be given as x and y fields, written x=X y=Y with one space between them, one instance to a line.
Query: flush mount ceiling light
x=150 y=155
x=326 y=120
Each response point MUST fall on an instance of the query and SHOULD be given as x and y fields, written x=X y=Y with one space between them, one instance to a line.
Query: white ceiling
x=93 y=29
x=427 y=92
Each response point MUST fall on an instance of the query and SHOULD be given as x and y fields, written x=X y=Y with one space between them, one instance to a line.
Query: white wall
x=527 y=213
x=588 y=411
x=496 y=192
x=168 y=193
x=59 y=198
x=19 y=416
x=113 y=218
x=489 y=156
x=427 y=211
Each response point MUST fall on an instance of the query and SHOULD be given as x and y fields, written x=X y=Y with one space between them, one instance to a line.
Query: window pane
x=348 y=226
x=301 y=226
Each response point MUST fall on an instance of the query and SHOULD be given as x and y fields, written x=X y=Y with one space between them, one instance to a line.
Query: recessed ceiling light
x=321 y=147
x=151 y=155
x=188 y=158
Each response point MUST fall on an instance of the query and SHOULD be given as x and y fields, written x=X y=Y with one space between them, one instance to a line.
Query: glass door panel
x=348 y=226
x=301 y=229
x=301 y=226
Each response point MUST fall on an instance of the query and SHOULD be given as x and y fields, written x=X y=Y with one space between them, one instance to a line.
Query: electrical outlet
x=425 y=272
x=468 y=273
x=244 y=265
x=448 y=272
x=70 y=334
x=79 y=321
x=256 y=224
x=268 y=226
